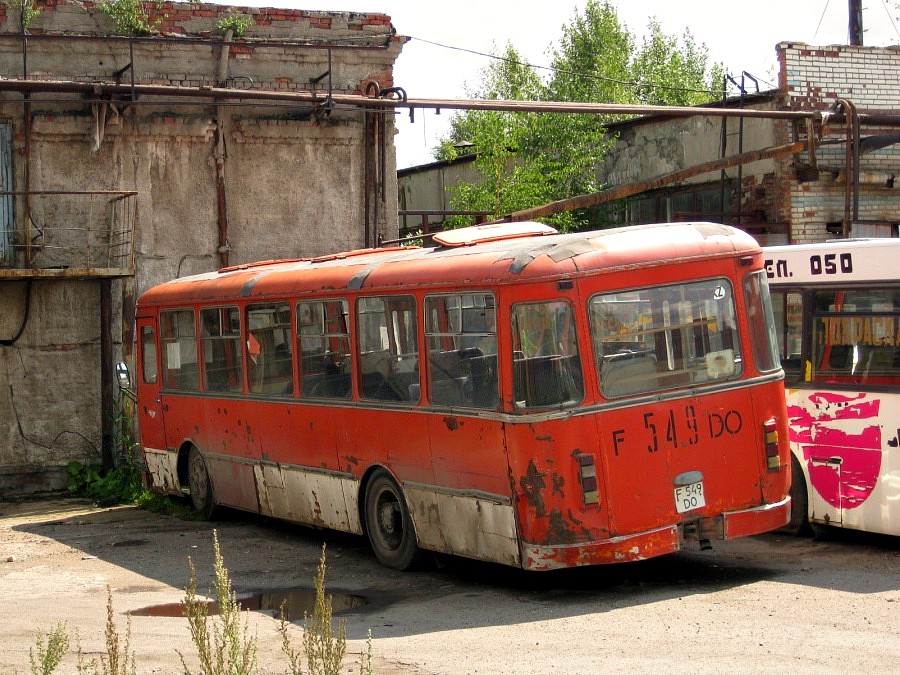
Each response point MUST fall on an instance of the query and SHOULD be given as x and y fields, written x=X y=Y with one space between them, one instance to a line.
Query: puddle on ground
x=296 y=603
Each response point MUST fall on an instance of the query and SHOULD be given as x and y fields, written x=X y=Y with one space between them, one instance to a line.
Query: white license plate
x=689 y=497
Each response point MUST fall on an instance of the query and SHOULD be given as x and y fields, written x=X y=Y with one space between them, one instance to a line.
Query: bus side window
x=787 y=306
x=461 y=333
x=388 y=349
x=221 y=343
x=546 y=362
x=269 y=348
x=323 y=335
x=179 y=344
x=148 y=355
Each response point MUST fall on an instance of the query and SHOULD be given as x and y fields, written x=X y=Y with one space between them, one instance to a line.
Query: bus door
x=472 y=514
x=151 y=420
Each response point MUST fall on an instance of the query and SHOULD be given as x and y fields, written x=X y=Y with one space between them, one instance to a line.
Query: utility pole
x=856 y=24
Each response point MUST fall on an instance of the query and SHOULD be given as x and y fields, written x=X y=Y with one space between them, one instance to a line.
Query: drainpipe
x=851 y=165
x=106 y=378
x=221 y=130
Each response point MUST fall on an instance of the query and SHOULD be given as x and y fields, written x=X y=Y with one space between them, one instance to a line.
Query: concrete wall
x=428 y=188
x=295 y=185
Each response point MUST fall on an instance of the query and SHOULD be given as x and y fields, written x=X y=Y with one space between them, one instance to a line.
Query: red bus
x=510 y=394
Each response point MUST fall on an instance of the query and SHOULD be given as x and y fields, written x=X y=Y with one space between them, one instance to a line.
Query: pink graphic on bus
x=841 y=442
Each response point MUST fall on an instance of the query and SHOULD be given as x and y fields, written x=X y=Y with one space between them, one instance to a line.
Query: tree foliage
x=527 y=159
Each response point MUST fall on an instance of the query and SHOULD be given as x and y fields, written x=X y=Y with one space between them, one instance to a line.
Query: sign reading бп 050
x=850 y=260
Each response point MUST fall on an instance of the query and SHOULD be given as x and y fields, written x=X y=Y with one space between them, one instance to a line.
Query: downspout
x=851 y=166
x=221 y=130
x=107 y=449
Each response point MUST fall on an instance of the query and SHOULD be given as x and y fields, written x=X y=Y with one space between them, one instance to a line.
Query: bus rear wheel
x=388 y=524
x=202 y=497
x=799 y=523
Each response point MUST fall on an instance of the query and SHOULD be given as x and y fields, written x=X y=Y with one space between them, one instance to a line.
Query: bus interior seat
x=628 y=374
x=450 y=391
x=331 y=386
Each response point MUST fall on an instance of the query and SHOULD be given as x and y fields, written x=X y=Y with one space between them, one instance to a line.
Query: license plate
x=689 y=497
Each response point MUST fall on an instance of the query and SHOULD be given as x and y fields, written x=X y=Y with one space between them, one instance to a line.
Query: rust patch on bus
x=560 y=532
x=558 y=482
x=532 y=485
x=452 y=423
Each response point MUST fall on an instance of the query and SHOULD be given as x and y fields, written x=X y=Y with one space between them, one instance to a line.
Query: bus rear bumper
x=644 y=545
x=757 y=520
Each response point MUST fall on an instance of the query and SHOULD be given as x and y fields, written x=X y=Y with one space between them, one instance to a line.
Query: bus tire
x=388 y=524
x=799 y=522
x=202 y=498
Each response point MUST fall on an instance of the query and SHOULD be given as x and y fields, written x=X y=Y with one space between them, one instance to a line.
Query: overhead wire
x=562 y=71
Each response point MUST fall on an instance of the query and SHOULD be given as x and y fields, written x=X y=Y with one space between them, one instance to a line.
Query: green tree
x=528 y=159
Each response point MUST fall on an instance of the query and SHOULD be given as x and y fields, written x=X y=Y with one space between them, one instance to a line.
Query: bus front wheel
x=201 y=486
x=389 y=525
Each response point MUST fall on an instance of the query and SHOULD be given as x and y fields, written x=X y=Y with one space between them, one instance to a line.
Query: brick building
x=125 y=161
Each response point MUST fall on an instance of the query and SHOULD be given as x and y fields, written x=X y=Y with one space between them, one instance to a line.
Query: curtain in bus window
x=270 y=355
x=461 y=333
x=148 y=352
x=546 y=361
x=220 y=337
x=388 y=349
x=178 y=337
x=856 y=337
x=760 y=321
x=665 y=337
x=324 y=339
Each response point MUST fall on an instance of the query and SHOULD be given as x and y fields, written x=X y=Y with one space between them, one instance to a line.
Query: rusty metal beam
x=97 y=90
x=622 y=191
x=17 y=274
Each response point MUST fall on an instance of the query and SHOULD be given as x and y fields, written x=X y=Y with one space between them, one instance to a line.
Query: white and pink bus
x=837 y=313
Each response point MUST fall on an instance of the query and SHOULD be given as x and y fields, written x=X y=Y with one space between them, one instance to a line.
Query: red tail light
x=588 y=472
x=770 y=433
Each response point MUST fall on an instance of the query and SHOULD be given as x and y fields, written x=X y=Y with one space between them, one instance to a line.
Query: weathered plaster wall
x=294 y=185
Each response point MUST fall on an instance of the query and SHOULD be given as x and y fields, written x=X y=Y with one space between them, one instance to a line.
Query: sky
x=433 y=64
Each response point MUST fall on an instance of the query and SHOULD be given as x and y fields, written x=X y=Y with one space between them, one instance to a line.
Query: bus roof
x=838 y=261
x=470 y=256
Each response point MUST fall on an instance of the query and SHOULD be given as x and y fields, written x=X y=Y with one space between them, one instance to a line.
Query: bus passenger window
x=221 y=342
x=461 y=332
x=546 y=362
x=787 y=308
x=178 y=336
x=148 y=352
x=388 y=349
x=270 y=353
x=324 y=338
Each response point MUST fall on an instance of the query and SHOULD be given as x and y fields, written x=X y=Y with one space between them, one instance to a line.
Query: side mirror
x=123 y=376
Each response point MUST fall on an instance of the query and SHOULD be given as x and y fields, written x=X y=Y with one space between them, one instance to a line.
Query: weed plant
x=45 y=657
x=225 y=646
x=323 y=648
